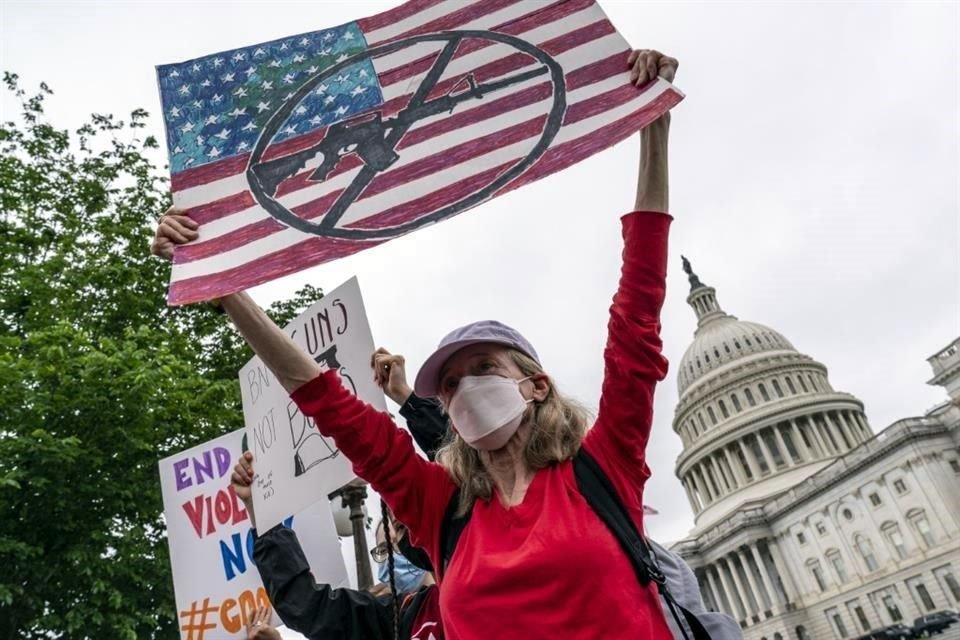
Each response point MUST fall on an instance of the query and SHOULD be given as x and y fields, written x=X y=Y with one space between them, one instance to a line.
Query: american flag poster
x=302 y=150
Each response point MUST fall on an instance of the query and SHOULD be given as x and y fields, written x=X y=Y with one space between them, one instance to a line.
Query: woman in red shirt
x=534 y=561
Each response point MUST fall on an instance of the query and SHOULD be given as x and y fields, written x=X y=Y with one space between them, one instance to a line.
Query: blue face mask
x=407 y=576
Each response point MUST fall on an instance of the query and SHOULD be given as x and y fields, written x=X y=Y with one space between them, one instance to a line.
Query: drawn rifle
x=366 y=135
x=453 y=98
x=363 y=136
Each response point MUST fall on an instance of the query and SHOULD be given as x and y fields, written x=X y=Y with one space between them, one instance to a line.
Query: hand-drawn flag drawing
x=306 y=149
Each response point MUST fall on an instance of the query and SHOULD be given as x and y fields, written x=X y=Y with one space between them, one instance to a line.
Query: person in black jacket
x=319 y=611
x=425 y=419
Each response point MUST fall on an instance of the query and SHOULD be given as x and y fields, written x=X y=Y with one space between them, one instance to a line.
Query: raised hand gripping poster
x=215 y=582
x=295 y=464
x=301 y=150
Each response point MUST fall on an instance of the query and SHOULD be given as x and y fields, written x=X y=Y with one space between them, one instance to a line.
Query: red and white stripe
x=443 y=158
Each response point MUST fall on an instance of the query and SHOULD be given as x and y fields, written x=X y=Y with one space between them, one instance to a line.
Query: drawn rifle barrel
x=449 y=102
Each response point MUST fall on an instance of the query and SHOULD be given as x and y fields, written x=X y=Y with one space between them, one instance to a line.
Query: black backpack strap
x=603 y=498
x=450 y=530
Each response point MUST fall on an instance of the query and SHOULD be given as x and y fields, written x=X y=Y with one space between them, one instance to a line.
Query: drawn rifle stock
x=366 y=136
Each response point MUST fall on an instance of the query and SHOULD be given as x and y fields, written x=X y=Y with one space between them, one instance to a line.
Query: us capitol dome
x=755 y=415
x=807 y=523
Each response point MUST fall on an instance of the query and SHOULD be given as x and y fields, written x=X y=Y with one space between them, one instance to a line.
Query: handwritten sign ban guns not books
x=216 y=584
x=293 y=463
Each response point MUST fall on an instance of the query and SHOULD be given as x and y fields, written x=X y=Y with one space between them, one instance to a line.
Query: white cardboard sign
x=211 y=543
x=295 y=465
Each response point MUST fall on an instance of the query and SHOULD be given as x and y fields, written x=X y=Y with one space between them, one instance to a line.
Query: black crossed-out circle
x=393 y=130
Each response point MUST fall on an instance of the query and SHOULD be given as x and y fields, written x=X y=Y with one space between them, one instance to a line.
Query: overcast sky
x=815 y=168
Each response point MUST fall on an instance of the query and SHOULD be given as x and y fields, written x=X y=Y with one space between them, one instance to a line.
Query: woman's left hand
x=647 y=64
x=175 y=228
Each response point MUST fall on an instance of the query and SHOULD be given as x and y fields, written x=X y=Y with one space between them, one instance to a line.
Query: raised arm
x=653 y=192
x=633 y=359
x=292 y=367
x=381 y=452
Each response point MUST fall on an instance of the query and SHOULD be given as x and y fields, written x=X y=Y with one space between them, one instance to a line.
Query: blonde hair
x=557 y=427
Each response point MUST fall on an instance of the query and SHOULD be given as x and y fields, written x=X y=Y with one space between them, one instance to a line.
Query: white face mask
x=487 y=410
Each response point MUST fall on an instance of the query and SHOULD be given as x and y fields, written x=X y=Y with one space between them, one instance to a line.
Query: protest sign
x=295 y=464
x=211 y=544
x=305 y=149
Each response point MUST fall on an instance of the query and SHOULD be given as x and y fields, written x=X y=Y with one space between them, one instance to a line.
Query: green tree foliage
x=98 y=379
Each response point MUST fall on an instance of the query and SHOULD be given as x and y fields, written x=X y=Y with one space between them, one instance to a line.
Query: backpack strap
x=410 y=608
x=450 y=531
x=603 y=498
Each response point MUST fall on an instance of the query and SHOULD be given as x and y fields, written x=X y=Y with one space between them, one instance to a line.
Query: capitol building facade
x=808 y=525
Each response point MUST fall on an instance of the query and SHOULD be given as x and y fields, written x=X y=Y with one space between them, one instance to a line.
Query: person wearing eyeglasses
x=407 y=576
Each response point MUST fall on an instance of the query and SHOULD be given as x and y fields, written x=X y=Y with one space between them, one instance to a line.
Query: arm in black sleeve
x=315 y=610
x=426 y=421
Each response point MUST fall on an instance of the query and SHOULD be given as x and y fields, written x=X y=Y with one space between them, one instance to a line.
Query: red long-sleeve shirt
x=548 y=567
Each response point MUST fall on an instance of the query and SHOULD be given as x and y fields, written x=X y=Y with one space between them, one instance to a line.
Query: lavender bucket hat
x=484 y=331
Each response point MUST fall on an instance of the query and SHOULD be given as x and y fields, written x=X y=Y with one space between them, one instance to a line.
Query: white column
x=877 y=534
x=738 y=583
x=720 y=475
x=771 y=465
x=715 y=485
x=764 y=576
x=693 y=504
x=735 y=468
x=781 y=441
x=786 y=579
x=906 y=530
x=842 y=428
x=712 y=589
x=940 y=514
x=754 y=587
x=822 y=428
x=835 y=429
x=731 y=469
x=816 y=437
x=712 y=477
x=735 y=602
x=847 y=552
x=703 y=483
x=805 y=451
x=748 y=456
x=697 y=498
x=695 y=481
x=692 y=491
x=853 y=430
x=728 y=481
x=859 y=419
